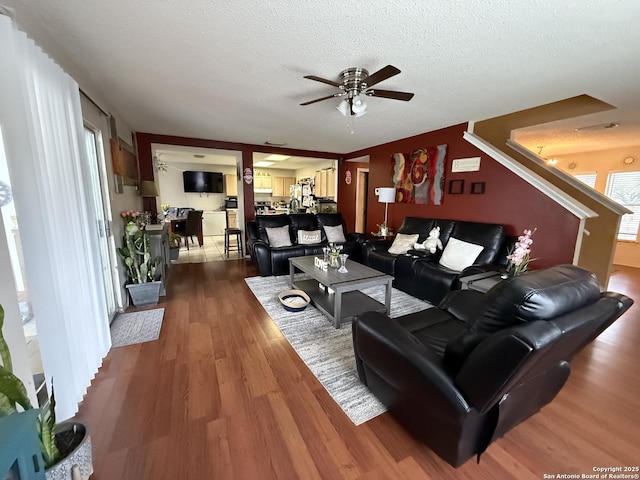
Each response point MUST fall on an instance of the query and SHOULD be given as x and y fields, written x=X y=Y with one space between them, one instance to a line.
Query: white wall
x=171 y=188
x=603 y=162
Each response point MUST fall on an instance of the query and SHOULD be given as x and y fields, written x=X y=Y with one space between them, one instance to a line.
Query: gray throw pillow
x=279 y=236
x=309 y=237
x=335 y=234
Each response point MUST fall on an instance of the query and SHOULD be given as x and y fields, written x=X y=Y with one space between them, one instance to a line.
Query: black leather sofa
x=461 y=375
x=419 y=272
x=275 y=260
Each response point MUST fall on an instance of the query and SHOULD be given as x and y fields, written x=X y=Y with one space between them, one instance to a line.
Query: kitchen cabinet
x=331 y=183
x=213 y=222
x=282 y=186
x=325 y=184
x=231 y=185
x=233 y=217
x=320 y=189
x=262 y=182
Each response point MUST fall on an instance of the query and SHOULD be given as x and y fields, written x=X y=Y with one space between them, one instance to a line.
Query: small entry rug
x=327 y=351
x=136 y=327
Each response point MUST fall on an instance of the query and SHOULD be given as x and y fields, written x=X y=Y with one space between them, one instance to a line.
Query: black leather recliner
x=461 y=375
x=275 y=260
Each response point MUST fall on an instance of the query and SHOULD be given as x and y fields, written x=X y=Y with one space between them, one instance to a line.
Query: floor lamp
x=386 y=195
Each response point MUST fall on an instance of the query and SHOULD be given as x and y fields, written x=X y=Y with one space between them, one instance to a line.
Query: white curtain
x=44 y=141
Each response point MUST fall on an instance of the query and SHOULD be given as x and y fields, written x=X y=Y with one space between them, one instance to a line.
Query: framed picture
x=456 y=187
x=477 y=188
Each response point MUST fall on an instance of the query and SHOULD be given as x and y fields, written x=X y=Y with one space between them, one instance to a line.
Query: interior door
x=101 y=203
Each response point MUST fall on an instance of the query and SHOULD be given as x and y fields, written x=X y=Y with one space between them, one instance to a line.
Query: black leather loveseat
x=461 y=375
x=301 y=228
x=418 y=272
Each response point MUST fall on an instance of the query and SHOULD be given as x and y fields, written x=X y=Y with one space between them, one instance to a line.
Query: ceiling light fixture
x=262 y=164
x=274 y=157
x=550 y=161
x=598 y=127
x=275 y=144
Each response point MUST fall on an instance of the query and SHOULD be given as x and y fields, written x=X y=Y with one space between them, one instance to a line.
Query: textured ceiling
x=233 y=71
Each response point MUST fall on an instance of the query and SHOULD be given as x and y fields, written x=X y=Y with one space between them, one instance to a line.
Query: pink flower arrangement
x=519 y=258
x=129 y=216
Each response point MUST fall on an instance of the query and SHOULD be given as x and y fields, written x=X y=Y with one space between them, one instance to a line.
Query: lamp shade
x=148 y=189
x=386 y=195
x=343 y=107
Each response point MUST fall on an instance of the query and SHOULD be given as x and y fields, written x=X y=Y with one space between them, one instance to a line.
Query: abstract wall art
x=419 y=176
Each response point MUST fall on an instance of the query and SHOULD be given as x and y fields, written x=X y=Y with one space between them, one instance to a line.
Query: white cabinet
x=213 y=223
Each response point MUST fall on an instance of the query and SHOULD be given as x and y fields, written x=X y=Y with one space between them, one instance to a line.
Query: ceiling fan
x=356 y=82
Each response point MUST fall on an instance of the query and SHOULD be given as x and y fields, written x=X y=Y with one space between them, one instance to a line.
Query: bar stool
x=232 y=229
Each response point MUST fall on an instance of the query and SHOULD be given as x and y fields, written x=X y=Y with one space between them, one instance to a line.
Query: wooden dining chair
x=191 y=226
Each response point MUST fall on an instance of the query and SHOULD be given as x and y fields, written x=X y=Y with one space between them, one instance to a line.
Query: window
x=587 y=178
x=624 y=188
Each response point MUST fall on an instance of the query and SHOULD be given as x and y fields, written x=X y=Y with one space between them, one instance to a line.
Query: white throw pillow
x=334 y=234
x=403 y=243
x=278 y=236
x=459 y=255
x=309 y=237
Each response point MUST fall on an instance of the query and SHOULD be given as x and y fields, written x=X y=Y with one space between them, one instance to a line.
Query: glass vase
x=343 y=261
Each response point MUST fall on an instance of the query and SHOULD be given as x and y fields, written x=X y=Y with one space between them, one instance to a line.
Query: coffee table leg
x=387 y=298
x=292 y=270
x=337 y=309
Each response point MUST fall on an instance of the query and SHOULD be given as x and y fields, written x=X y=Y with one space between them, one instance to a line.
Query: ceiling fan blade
x=382 y=74
x=323 y=98
x=323 y=80
x=375 y=92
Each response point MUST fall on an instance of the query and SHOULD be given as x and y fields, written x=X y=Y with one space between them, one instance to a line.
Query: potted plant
x=174 y=246
x=65 y=447
x=142 y=284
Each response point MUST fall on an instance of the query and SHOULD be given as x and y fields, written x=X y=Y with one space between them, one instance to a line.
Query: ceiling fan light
x=358 y=106
x=343 y=107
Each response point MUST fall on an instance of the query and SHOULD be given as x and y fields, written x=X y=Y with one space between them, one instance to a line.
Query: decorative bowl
x=294 y=300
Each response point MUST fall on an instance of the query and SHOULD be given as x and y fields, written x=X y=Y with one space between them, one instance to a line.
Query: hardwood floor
x=222 y=395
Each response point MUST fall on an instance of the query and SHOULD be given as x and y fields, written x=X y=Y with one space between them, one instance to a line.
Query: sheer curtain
x=44 y=140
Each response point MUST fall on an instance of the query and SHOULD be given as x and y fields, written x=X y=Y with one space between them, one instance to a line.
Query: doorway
x=102 y=207
x=362 y=189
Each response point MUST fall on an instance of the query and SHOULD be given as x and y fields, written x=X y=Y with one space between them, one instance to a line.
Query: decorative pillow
x=403 y=243
x=334 y=234
x=309 y=237
x=459 y=255
x=278 y=236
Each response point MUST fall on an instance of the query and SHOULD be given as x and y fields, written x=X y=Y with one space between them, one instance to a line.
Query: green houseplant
x=64 y=446
x=174 y=245
x=135 y=252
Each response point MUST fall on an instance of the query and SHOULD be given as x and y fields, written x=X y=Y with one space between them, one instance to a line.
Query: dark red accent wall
x=508 y=199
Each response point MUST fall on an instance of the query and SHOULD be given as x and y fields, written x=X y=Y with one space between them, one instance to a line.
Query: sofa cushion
x=270 y=221
x=421 y=226
x=334 y=234
x=458 y=255
x=490 y=236
x=278 y=236
x=309 y=237
x=403 y=243
x=302 y=221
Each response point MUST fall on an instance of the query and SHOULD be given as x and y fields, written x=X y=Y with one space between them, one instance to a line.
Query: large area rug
x=136 y=327
x=328 y=352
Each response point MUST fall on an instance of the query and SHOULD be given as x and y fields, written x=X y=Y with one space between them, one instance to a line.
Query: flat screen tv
x=203 y=182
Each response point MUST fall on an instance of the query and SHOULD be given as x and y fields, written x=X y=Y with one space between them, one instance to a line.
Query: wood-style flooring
x=222 y=395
